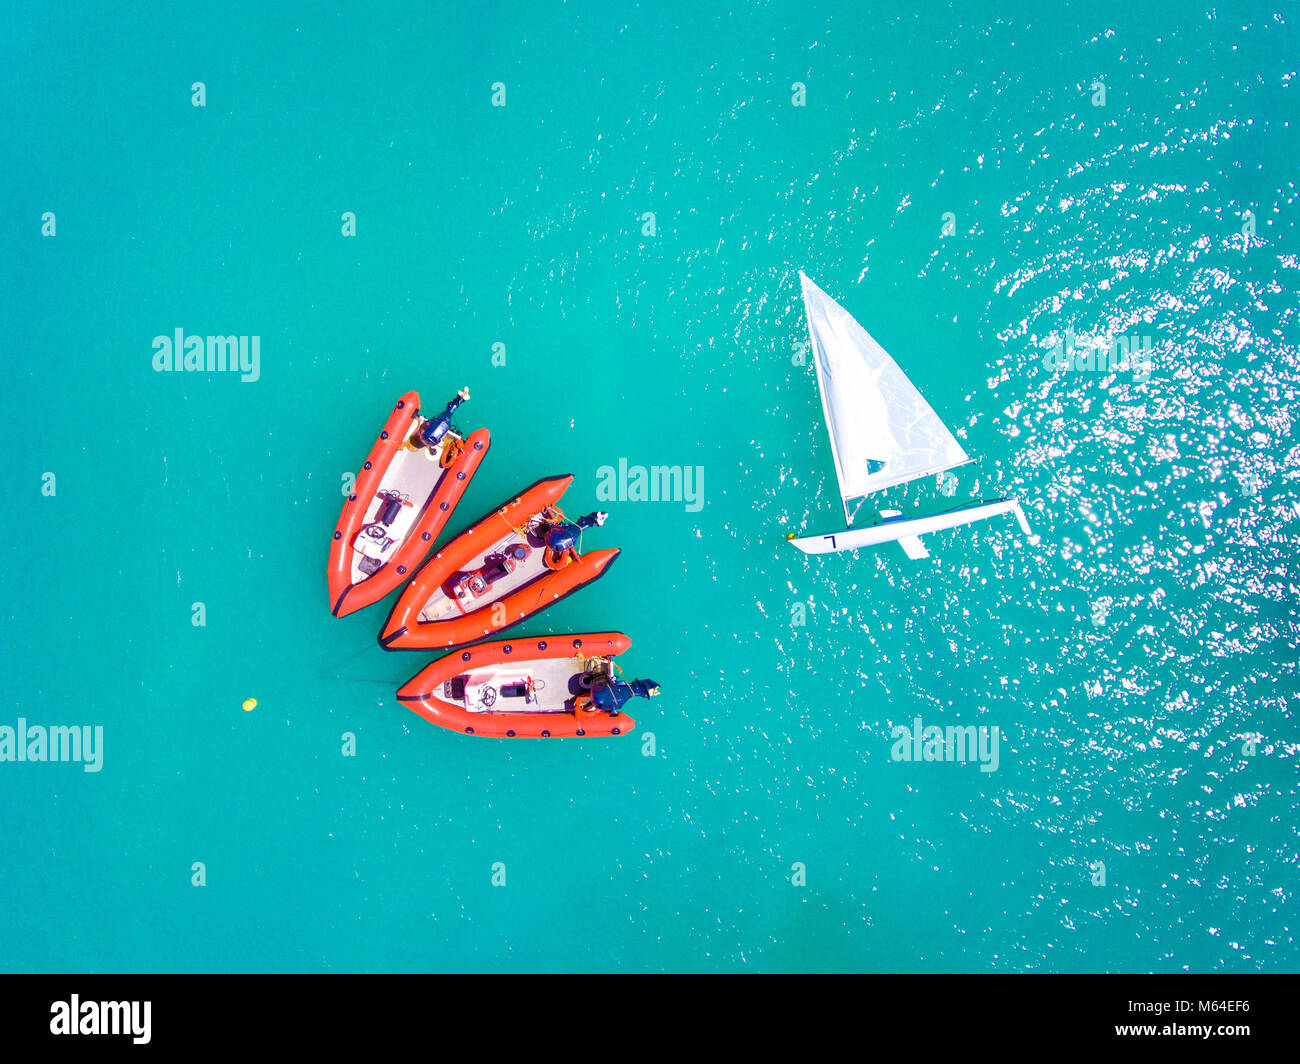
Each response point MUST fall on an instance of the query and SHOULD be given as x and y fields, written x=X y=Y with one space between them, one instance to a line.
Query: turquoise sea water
x=1126 y=658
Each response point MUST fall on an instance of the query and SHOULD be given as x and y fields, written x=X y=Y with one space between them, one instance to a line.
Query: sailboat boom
x=895 y=528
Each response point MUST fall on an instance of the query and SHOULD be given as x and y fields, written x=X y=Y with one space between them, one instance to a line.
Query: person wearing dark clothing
x=434 y=429
x=562 y=539
x=612 y=694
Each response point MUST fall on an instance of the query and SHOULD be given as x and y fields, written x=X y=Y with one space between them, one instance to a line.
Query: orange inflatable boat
x=526 y=688
x=403 y=497
x=493 y=575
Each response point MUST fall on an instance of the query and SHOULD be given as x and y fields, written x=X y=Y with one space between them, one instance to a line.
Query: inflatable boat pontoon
x=522 y=688
x=402 y=499
x=492 y=576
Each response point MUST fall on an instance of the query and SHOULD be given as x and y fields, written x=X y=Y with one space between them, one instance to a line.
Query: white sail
x=882 y=430
x=904 y=528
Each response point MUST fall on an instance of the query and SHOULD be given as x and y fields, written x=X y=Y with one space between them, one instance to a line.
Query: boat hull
x=895 y=528
x=428 y=616
x=501 y=663
x=436 y=491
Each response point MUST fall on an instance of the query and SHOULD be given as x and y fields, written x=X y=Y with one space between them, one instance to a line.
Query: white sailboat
x=882 y=433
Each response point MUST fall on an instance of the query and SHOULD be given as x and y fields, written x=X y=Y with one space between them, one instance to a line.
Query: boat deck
x=555 y=682
x=413 y=474
x=442 y=606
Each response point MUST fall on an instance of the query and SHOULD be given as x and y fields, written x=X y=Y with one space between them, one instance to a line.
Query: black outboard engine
x=391 y=508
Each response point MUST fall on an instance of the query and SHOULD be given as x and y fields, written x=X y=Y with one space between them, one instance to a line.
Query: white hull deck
x=895 y=528
x=550 y=684
x=415 y=475
x=443 y=607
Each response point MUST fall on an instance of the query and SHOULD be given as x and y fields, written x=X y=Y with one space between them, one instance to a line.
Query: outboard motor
x=433 y=430
x=391 y=508
x=564 y=534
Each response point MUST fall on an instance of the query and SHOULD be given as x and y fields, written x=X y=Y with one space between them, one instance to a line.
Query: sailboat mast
x=822 y=385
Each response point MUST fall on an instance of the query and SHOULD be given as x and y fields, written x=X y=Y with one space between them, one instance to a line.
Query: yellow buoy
x=250 y=704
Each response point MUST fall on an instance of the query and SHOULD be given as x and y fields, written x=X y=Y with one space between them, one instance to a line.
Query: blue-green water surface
x=974 y=182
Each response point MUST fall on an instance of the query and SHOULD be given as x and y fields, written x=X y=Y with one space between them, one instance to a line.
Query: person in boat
x=435 y=429
x=562 y=539
x=610 y=695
